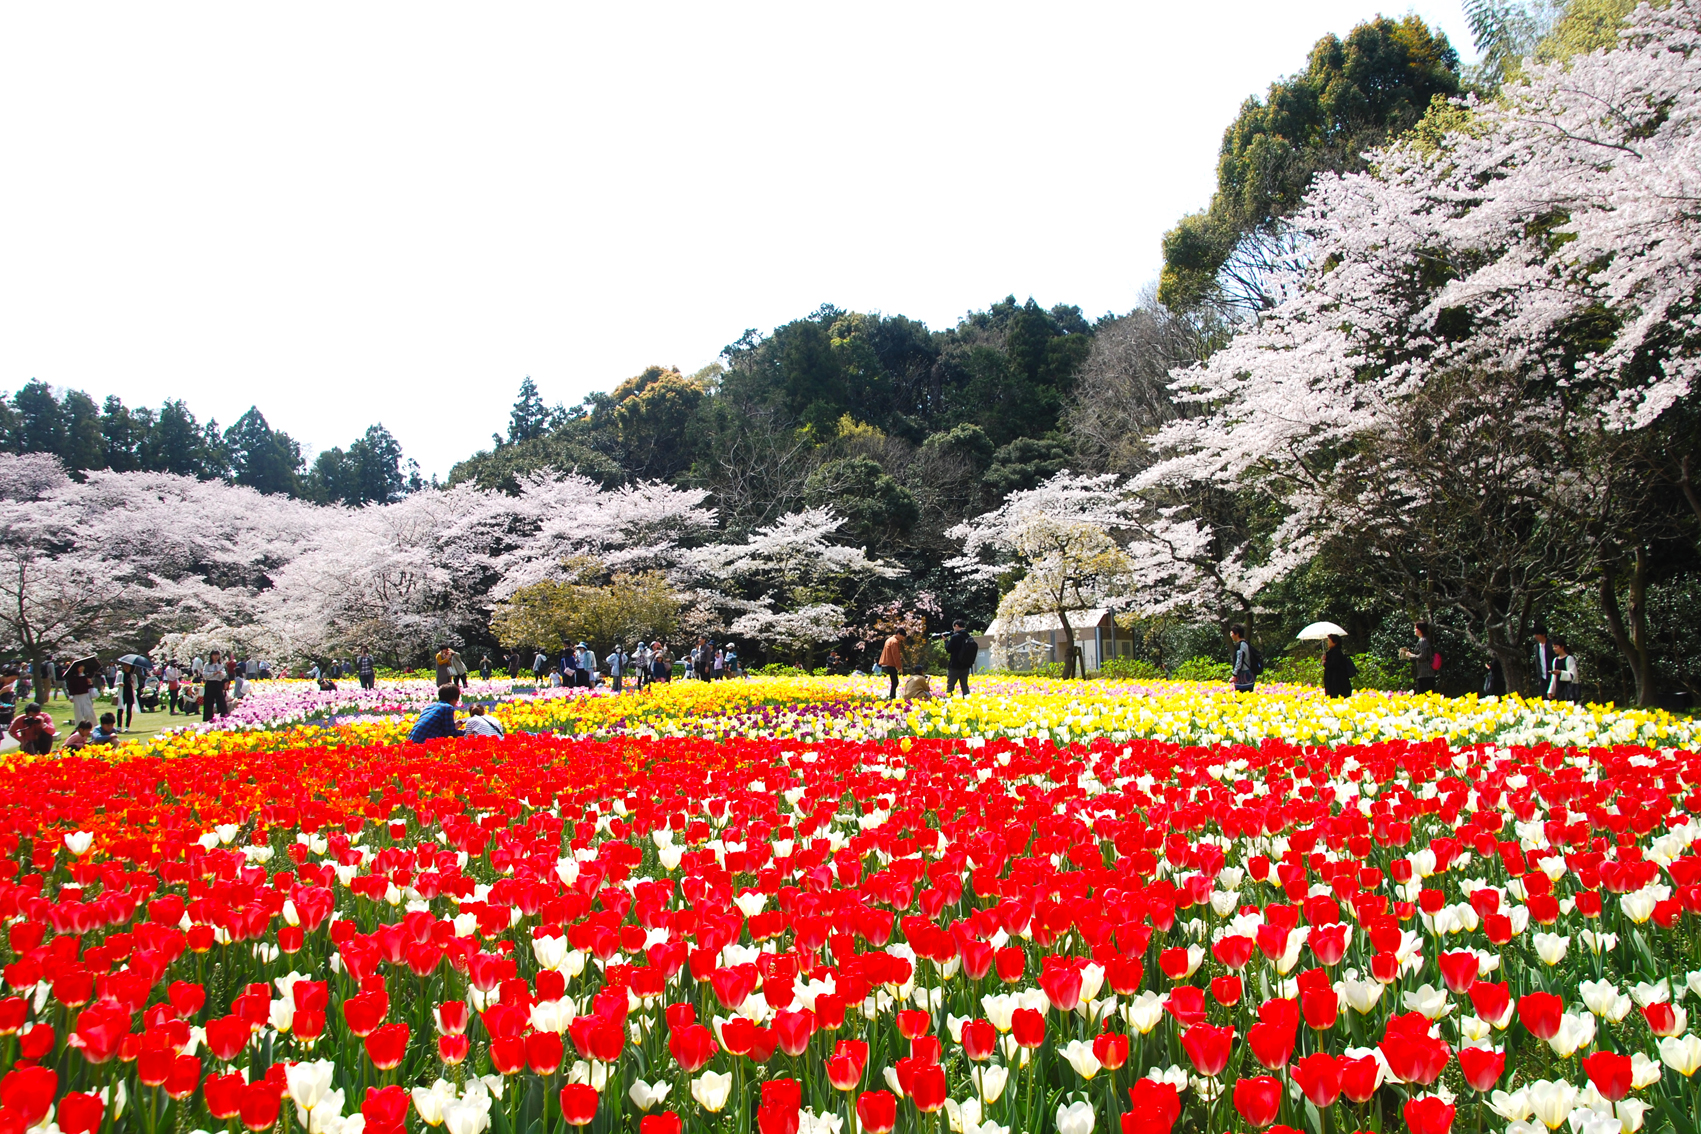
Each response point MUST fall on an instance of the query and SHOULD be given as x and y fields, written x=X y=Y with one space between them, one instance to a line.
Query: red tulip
x=1360 y=1078
x=1258 y=1100
x=544 y=1051
x=877 y=1111
x=793 y=1029
x=1662 y=1019
x=1608 y=1071
x=36 y=1041
x=1321 y=1007
x=1428 y=1116
x=1482 y=1067
x=1319 y=1078
x=1062 y=986
x=1208 y=1047
x=453 y=1050
x=79 y=1113
x=1224 y=989
x=692 y=1048
x=259 y=1106
x=1154 y=1108
x=1540 y=1012
x=1233 y=951
x=451 y=1017
x=28 y=1092
x=1491 y=1001
x=227 y=1036
x=388 y=1045
x=223 y=1095
x=578 y=1103
x=980 y=1038
x=100 y=1030
x=1328 y=943
x=1187 y=1004
x=1271 y=1044
x=667 y=1122
x=1459 y=970
x=184 y=1077
x=364 y=1012
x=927 y=1089
x=1028 y=1026
x=1111 y=1050
x=1010 y=962
x=1415 y=1058
x=385 y=1109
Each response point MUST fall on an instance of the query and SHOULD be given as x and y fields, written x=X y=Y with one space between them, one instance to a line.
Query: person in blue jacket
x=439 y=719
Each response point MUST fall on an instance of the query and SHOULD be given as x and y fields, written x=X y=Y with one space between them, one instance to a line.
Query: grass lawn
x=143 y=725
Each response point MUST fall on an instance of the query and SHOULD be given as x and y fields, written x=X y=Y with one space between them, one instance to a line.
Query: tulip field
x=782 y=906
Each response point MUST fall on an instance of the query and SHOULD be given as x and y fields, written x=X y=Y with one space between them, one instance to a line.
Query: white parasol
x=1317 y=631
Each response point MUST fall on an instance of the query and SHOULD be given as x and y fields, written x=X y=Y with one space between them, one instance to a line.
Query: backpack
x=1257 y=659
x=966 y=653
x=1435 y=662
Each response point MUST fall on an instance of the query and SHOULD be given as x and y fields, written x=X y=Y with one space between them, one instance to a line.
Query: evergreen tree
x=530 y=418
x=261 y=457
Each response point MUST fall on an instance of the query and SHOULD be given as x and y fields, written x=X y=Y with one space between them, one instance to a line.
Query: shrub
x=1374 y=673
x=1203 y=669
x=1300 y=669
x=1130 y=669
x=778 y=669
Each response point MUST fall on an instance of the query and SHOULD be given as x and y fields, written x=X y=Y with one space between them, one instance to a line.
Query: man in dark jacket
x=960 y=651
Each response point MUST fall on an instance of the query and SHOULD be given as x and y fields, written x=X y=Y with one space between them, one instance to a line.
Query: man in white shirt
x=213 y=677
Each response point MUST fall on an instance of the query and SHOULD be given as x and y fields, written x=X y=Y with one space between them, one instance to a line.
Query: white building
x=1034 y=640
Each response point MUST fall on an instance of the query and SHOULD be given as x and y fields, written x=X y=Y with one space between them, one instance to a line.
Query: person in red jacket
x=33 y=731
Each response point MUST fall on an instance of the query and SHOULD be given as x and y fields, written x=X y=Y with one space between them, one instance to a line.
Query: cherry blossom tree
x=1486 y=313
x=1060 y=541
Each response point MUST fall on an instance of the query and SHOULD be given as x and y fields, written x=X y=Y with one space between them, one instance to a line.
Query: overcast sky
x=347 y=213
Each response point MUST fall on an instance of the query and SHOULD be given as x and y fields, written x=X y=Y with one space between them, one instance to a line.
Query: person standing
x=484 y=667
x=892 y=661
x=641 y=661
x=79 y=686
x=445 y=663
x=127 y=678
x=213 y=677
x=514 y=664
x=617 y=662
x=1494 y=680
x=661 y=662
x=960 y=652
x=173 y=678
x=1563 y=684
x=1338 y=669
x=1544 y=662
x=1244 y=673
x=539 y=664
x=367 y=668
x=1426 y=662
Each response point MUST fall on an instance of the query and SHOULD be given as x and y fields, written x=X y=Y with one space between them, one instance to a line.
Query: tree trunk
x=1068 y=644
x=1631 y=639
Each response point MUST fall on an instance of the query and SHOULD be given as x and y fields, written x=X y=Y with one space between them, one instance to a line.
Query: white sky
x=348 y=213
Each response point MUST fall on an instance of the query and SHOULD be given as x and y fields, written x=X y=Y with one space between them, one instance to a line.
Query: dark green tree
x=85 y=448
x=530 y=418
x=1353 y=95
x=370 y=471
x=123 y=434
x=263 y=458
x=41 y=425
x=175 y=443
x=879 y=512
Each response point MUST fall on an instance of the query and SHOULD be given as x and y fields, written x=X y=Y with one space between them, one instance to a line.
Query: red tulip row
x=540 y=933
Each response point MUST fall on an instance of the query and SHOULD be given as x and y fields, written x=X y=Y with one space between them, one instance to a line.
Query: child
x=82 y=736
x=107 y=733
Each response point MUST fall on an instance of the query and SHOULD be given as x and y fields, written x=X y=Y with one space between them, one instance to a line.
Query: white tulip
x=1144 y=1011
x=1575 y=1032
x=1079 y=1054
x=1645 y=994
x=990 y=1080
x=711 y=1090
x=308 y=1082
x=1681 y=1053
x=1432 y=1002
x=79 y=842
x=431 y=1101
x=1076 y=1118
x=1603 y=999
x=1551 y=1102
x=1551 y=947
x=1644 y=1072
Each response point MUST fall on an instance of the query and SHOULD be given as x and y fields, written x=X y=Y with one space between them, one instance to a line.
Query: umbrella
x=136 y=660
x=1317 y=631
x=90 y=664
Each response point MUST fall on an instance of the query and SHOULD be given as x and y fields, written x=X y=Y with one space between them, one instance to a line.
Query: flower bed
x=652 y=934
x=283 y=715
